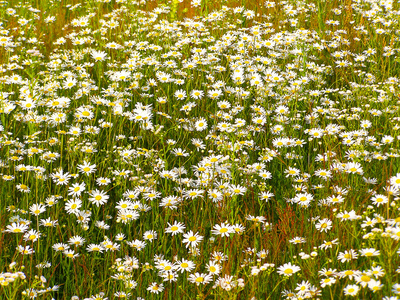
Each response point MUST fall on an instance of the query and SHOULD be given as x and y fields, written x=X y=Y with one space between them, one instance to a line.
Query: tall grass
x=199 y=150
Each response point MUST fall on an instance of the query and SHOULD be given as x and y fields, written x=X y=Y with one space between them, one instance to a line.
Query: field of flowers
x=199 y=149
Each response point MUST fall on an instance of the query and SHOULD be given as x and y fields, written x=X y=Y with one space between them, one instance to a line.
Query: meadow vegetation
x=199 y=149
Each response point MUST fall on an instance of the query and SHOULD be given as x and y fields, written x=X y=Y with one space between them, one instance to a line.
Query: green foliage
x=199 y=149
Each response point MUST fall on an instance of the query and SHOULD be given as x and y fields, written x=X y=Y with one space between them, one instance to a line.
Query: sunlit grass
x=199 y=150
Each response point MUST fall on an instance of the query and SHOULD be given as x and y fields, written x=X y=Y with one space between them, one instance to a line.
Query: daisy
x=98 y=197
x=213 y=268
x=76 y=240
x=103 y=181
x=196 y=94
x=303 y=287
x=102 y=225
x=279 y=142
x=266 y=196
x=257 y=219
x=76 y=189
x=304 y=199
x=292 y=172
x=363 y=279
x=224 y=104
x=259 y=120
x=70 y=83
x=354 y=168
x=327 y=272
x=351 y=215
x=351 y=290
x=201 y=124
x=324 y=225
x=32 y=235
x=8 y=177
x=175 y=228
x=165 y=266
x=222 y=230
x=180 y=152
x=98 y=55
x=327 y=281
x=237 y=189
x=180 y=94
x=28 y=104
x=87 y=168
x=83 y=216
x=377 y=271
x=163 y=77
x=169 y=276
x=396 y=289
x=375 y=285
x=395 y=180
x=72 y=206
x=335 y=199
x=130 y=195
x=185 y=265
x=288 y=269
x=191 y=239
x=60 y=247
x=238 y=228
x=75 y=130
x=27 y=250
x=150 y=235
x=151 y=195
x=378 y=200
x=265 y=175
x=369 y=252
x=214 y=94
x=137 y=244
x=297 y=240
x=215 y=195
x=170 y=202
x=329 y=244
x=349 y=273
x=155 y=288
x=324 y=174
x=110 y=246
x=71 y=254
x=193 y=193
x=17 y=228
x=23 y=188
x=48 y=222
x=219 y=256
x=262 y=254
x=127 y=215
x=198 y=143
x=392 y=190
x=347 y=255
x=316 y=133
x=200 y=278
x=224 y=126
x=37 y=209
x=60 y=178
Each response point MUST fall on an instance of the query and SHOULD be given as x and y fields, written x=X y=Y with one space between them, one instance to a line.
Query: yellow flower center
x=288 y=271
x=365 y=278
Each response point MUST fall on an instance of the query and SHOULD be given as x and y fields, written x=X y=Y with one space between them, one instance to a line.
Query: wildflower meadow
x=197 y=149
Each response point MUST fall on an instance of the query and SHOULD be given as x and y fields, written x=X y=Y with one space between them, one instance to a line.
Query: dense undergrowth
x=199 y=149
